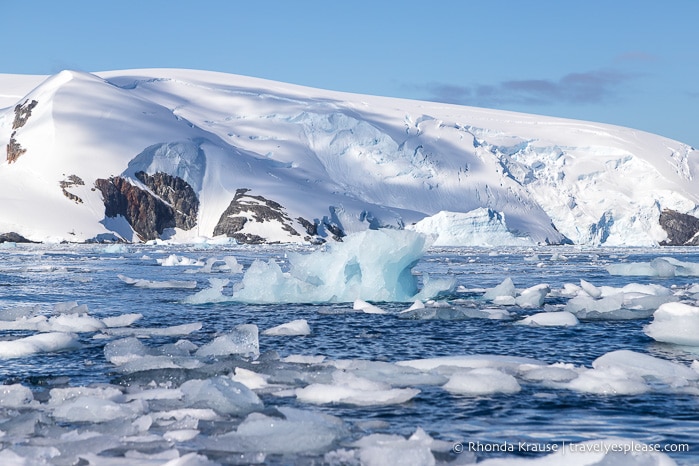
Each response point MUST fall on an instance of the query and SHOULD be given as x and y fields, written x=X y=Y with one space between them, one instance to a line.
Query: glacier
x=270 y=162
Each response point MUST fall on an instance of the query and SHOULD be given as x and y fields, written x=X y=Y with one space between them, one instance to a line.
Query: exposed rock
x=14 y=149
x=245 y=207
x=311 y=228
x=177 y=193
x=681 y=229
x=147 y=213
x=13 y=237
x=22 y=114
x=73 y=180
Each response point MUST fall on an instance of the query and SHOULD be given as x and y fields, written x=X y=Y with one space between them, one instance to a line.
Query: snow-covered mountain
x=181 y=154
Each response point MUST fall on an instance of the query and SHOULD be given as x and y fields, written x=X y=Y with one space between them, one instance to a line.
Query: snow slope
x=336 y=159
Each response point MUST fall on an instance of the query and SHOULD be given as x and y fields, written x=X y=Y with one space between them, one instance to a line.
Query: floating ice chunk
x=168 y=284
x=175 y=260
x=676 y=323
x=297 y=432
x=385 y=372
x=123 y=320
x=608 y=381
x=70 y=307
x=243 y=340
x=348 y=388
x=41 y=343
x=115 y=249
x=294 y=328
x=303 y=359
x=558 y=372
x=222 y=394
x=612 y=452
x=504 y=301
x=506 y=288
x=649 y=367
x=250 y=379
x=481 y=382
x=228 y=264
x=213 y=294
x=17 y=312
x=367 y=308
x=77 y=323
x=372 y=265
x=175 y=330
x=383 y=449
x=551 y=319
x=533 y=296
x=15 y=396
x=590 y=289
x=659 y=267
x=94 y=409
x=507 y=364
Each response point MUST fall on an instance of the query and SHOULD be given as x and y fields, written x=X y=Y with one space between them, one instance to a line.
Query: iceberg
x=479 y=227
x=372 y=265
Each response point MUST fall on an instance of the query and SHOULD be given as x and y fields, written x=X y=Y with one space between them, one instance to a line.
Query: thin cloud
x=590 y=87
x=636 y=56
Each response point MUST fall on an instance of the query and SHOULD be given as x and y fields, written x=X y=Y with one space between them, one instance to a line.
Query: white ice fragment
x=243 y=340
x=551 y=319
x=533 y=297
x=115 y=249
x=250 y=379
x=123 y=320
x=504 y=301
x=175 y=330
x=506 y=288
x=676 y=323
x=213 y=294
x=297 y=327
x=70 y=307
x=222 y=394
x=508 y=364
x=658 y=267
x=348 y=388
x=41 y=343
x=181 y=435
x=481 y=382
x=152 y=284
x=77 y=323
x=303 y=359
x=367 y=308
x=648 y=367
x=175 y=260
x=94 y=409
x=297 y=432
x=15 y=396
x=17 y=312
x=608 y=381
x=384 y=449
x=590 y=289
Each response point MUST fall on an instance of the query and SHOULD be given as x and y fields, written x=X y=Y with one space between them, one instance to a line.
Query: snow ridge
x=334 y=163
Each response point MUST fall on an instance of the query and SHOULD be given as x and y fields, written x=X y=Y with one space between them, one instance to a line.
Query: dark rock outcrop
x=73 y=180
x=22 y=114
x=681 y=229
x=177 y=193
x=149 y=213
x=244 y=205
x=13 y=237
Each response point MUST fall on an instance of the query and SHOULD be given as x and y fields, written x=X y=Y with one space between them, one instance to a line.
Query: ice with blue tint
x=373 y=265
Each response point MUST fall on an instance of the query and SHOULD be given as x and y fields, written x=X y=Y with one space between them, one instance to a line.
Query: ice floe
x=675 y=323
x=143 y=283
x=297 y=327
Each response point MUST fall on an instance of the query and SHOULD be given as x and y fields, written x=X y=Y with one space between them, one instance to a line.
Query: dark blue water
x=43 y=276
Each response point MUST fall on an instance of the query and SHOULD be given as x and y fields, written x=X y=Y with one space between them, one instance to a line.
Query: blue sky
x=628 y=62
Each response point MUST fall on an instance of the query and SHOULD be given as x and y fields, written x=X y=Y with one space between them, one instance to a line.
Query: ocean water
x=48 y=429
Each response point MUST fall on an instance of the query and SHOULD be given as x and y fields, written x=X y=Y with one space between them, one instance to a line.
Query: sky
x=632 y=63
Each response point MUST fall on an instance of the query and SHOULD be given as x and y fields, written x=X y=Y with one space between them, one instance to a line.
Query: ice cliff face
x=181 y=154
